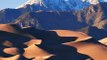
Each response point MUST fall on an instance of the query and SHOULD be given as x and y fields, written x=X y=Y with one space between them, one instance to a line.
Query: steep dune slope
x=8 y=28
x=46 y=44
x=103 y=41
x=95 y=51
x=67 y=33
x=10 y=58
x=13 y=28
x=36 y=52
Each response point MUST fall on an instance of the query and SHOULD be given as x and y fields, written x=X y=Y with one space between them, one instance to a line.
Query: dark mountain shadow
x=54 y=20
x=8 y=15
x=60 y=20
x=16 y=27
x=104 y=9
x=97 y=33
x=63 y=52
x=48 y=37
x=52 y=44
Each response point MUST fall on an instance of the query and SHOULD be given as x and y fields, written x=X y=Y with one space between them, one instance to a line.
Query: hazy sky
x=10 y=3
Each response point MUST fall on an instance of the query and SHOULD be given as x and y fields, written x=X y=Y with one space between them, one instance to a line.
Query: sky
x=10 y=3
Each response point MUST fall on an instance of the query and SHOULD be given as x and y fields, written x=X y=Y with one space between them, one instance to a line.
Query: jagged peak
x=29 y=2
x=58 y=5
x=92 y=1
x=54 y=5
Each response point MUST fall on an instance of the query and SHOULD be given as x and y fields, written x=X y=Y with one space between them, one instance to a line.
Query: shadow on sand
x=51 y=43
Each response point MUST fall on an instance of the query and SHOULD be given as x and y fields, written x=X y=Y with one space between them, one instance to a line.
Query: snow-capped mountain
x=58 y=5
x=94 y=2
x=30 y=2
x=93 y=15
x=54 y=5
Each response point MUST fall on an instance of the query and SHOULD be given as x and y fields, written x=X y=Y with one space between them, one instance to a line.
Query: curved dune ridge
x=95 y=51
x=8 y=28
x=12 y=51
x=13 y=28
x=16 y=57
x=33 y=42
x=30 y=47
x=103 y=41
x=67 y=33
x=36 y=52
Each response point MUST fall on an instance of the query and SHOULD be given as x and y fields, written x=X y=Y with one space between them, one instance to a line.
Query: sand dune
x=67 y=33
x=95 y=51
x=24 y=45
x=16 y=57
x=8 y=28
x=36 y=52
x=33 y=42
x=13 y=29
x=12 y=51
x=103 y=41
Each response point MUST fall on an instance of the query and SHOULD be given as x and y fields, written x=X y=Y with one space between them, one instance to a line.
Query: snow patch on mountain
x=55 y=4
x=91 y=1
x=62 y=5
x=30 y=2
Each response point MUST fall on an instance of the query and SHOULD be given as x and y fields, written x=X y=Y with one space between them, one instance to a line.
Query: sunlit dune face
x=67 y=33
x=95 y=51
x=43 y=58
x=7 y=28
x=36 y=52
x=33 y=42
x=11 y=51
x=38 y=59
x=103 y=41
x=16 y=57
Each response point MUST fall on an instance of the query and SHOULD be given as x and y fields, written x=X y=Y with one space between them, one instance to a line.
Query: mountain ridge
x=58 y=5
x=55 y=5
x=93 y=15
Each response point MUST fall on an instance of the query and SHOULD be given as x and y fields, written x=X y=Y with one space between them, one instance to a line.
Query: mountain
x=94 y=15
x=73 y=20
x=94 y=2
x=8 y=15
x=54 y=5
x=51 y=20
x=57 y=5
x=27 y=20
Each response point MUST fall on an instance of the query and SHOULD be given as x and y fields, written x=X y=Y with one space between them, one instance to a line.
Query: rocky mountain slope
x=54 y=5
x=58 y=5
x=73 y=20
x=94 y=15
